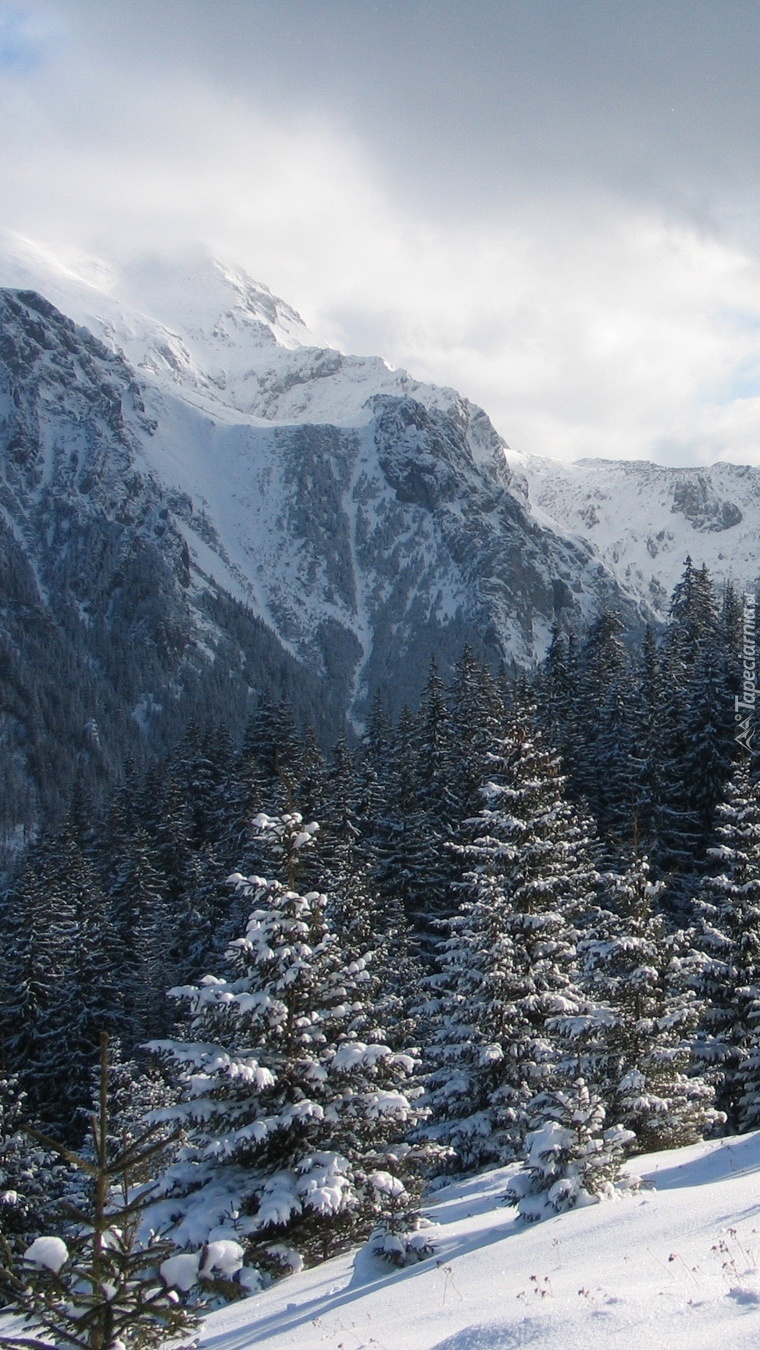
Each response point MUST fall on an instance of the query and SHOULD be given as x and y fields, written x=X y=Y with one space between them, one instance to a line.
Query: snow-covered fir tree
x=32 y=1179
x=649 y=741
x=397 y=844
x=601 y=755
x=58 y=987
x=478 y=718
x=678 y=828
x=97 y=1283
x=137 y=1090
x=639 y=1055
x=370 y=926
x=556 y=694
x=728 y=959
x=415 y=818
x=295 y=1109
x=572 y=1157
x=507 y=964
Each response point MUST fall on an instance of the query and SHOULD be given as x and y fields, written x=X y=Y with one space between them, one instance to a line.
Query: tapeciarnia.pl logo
x=744 y=706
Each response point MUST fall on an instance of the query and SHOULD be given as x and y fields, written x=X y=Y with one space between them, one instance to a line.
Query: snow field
x=673 y=1265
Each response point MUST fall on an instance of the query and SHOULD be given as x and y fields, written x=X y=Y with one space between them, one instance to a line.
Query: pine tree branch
x=135 y=1154
x=66 y=1153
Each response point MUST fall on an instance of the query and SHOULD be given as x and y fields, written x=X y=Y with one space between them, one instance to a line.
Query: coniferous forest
x=520 y=923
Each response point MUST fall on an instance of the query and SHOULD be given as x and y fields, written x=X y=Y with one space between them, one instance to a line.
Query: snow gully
x=744 y=706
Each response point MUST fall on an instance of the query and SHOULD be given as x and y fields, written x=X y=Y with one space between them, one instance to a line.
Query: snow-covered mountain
x=109 y=626
x=644 y=519
x=206 y=332
x=367 y=519
x=197 y=495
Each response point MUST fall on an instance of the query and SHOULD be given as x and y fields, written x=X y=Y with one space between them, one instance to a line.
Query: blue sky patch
x=21 y=42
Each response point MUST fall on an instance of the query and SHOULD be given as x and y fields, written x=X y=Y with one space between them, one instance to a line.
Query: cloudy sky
x=553 y=205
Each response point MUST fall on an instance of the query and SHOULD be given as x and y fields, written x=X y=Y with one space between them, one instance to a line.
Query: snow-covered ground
x=676 y=1264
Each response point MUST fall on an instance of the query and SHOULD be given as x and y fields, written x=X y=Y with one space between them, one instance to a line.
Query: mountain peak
x=203 y=329
x=191 y=321
x=201 y=296
x=192 y=292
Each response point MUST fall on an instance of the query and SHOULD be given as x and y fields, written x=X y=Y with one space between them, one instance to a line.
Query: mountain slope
x=108 y=626
x=401 y=511
x=644 y=519
x=369 y=547
x=675 y=1265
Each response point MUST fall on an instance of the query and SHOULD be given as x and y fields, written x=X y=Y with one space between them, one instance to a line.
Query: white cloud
x=581 y=332
x=582 y=322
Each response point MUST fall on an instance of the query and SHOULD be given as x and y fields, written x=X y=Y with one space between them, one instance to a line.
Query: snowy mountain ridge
x=181 y=424
x=203 y=332
x=644 y=519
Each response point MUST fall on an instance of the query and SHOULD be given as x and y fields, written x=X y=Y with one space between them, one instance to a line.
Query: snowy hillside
x=675 y=1265
x=644 y=519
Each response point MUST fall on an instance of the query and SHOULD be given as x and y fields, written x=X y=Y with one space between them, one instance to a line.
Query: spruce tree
x=693 y=616
x=728 y=943
x=649 y=742
x=709 y=746
x=679 y=816
x=97 y=1286
x=602 y=758
x=58 y=989
x=639 y=1055
x=141 y=923
x=507 y=965
x=295 y=1117
x=396 y=841
x=557 y=695
x=272 y=749
x=32 y=1179
x=369 y=926
x=572 y=1157
x=34 y=936
x=477 y=720
x=429 y=822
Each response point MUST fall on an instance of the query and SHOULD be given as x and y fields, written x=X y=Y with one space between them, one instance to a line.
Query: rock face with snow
x=109 y=626
x=195 y=494
x=644 y=519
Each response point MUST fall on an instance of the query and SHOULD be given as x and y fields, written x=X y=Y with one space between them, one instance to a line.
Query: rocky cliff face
x=370 y=548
